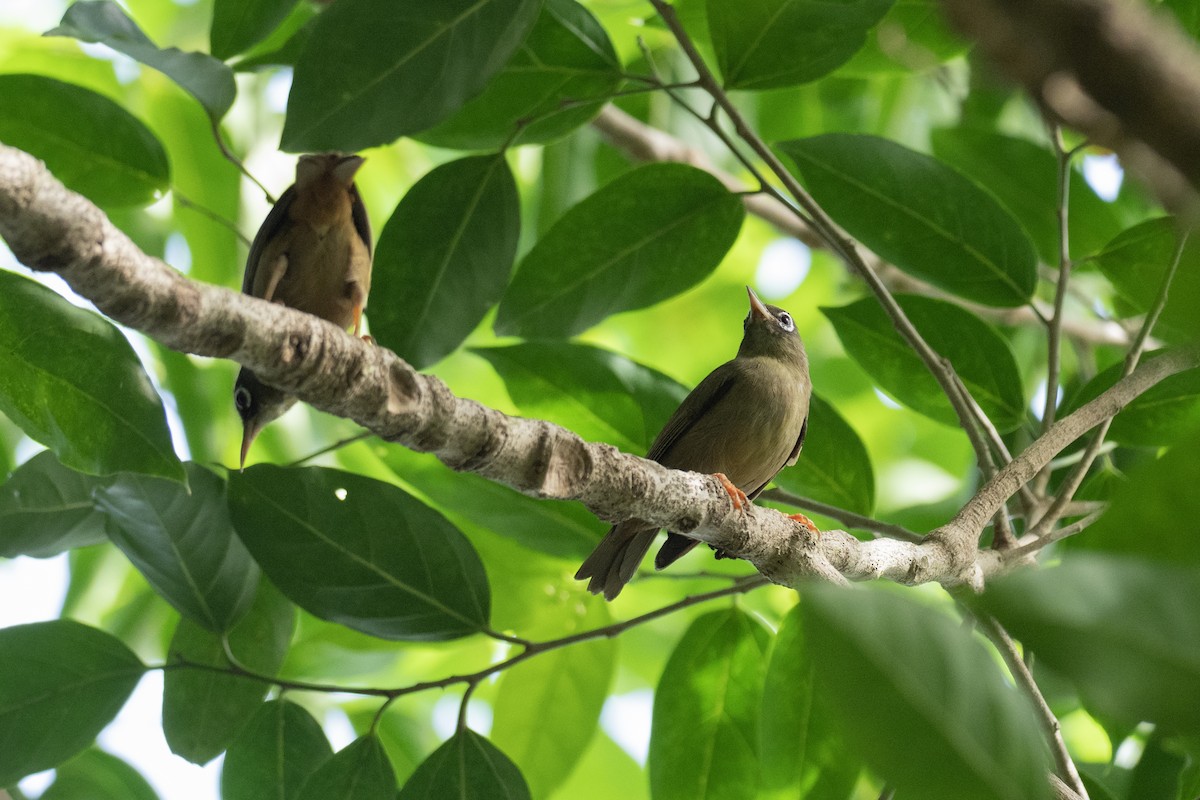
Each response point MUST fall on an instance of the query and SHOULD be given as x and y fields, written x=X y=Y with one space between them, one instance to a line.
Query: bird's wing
x=799 y=443
x=358 y=212
x=271 y=227
x=701 y=401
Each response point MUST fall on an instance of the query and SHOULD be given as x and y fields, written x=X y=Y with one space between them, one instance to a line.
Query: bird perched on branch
x=312 y=253
x=744 y=423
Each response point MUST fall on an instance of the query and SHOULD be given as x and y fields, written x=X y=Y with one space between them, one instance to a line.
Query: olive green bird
x=312 y=253
x=744 y=423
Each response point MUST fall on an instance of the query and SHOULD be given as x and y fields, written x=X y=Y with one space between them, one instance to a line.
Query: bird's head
x=770 y=331
x=257 y=404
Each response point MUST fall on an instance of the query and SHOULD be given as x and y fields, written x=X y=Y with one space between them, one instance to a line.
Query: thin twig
x=188 y=203
x=1054 y=331
x=1057 y=536
x=338 y=445
x=237 y=162
x=849 y=518
x=1024 y=678
x=530 y=650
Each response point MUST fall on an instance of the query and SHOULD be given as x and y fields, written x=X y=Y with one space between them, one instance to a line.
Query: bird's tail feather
x=614 y=561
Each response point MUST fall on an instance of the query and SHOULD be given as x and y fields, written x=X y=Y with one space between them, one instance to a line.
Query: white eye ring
x=242 y=398
x=785 y=322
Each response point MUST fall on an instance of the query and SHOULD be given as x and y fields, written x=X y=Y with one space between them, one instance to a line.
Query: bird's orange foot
x=736 y=495
x=368 y=338
x=807 y=523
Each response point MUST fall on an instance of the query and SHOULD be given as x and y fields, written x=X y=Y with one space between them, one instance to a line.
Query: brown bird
x=744 y=423
x=312 y=253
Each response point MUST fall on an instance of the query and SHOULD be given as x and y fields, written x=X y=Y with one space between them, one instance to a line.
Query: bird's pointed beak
x=250 y=430
x=757 y=309
x=346 y=168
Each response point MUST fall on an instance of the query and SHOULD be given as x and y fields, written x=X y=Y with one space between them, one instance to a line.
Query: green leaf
x=541 y=94
x=237 y=25
x=1159 y=417
x=1136 y=260
x=360 y=552
x=466 y=766
x=204 y=711
x=767 y=44
x=90 y=143
x=600 y=395
x=275 y=753
x=396 y=74
x=567 y=530
x=1024 y=177
x=802 y=753
x=1124 y=631
x=980 y=357
x=181 y=539
x=97 y=775
x=444 y=258
x=909 y=688
x=1145 y=512
x=920 y=215
x=60 y=683
x=200 y=75
x=547 y=709
x=46 y=508
x=834 y=466
x=71 y=381
x=704 y=738
x=646 y=236
x=360 y=771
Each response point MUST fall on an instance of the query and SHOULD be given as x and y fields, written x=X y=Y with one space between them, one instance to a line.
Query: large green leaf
x=444 y=258
x=1024 y=177
x=547 y=709
x=1124 y=631
x=199 y=74
x=802 y=753
x=60 y=683
x=765 y=44
x=704 y=738
x=567 y=530
x=600 y=395
x=1145 y=513
x=46 y=508
x=71 y=381
x=97 y=775
x=398 y=72
x=360 y=771
x=921 y=700
x=646 y=236
x=982 y=359
x=1136 y=260
x=274 y=754
x=240 y=24
x=919 y=214
x=360 y=552
x=567 y=60
x=466 y=766
x=181 y=539
x=203 y=710
x=89 y=142
x=834 y=466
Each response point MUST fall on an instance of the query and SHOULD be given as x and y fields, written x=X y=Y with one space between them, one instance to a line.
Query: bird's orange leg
x=736 y=495
x=807 y=523
x=368 y=338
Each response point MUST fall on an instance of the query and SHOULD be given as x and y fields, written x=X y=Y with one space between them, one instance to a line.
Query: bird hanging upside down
x=744 y=423
x=312 y=253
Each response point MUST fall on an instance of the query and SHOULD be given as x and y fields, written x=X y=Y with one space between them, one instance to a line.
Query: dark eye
x=242 y=399
x=785 y=322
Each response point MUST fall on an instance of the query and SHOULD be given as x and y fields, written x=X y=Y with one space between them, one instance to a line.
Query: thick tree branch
x=50 y=228
x=1122 y=74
